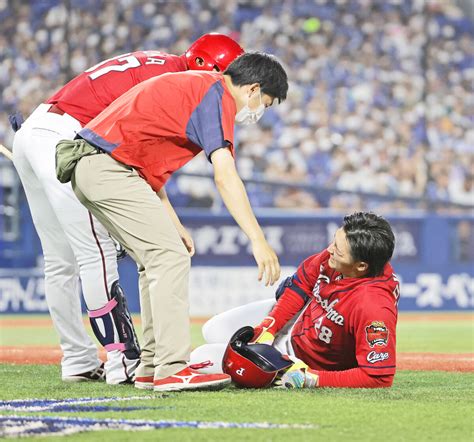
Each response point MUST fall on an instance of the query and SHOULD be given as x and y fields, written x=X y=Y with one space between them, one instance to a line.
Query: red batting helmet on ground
x=252 y=365
x=215 y=50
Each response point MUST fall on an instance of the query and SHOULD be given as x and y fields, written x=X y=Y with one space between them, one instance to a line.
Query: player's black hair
x=258 y=67
x=370 y=239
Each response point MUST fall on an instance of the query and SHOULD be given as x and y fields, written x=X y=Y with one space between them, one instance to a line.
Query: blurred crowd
x=379 y=111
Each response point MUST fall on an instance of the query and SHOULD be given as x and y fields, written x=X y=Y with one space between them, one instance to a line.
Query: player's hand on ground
x=299 y=375
x=267 y=261
x=262 y=333
x=187 y=240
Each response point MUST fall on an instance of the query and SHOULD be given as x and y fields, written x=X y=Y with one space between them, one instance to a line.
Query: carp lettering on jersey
x=377 y=334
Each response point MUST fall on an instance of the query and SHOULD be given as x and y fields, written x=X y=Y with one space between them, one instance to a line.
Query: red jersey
x=91 y=92
x=347 y=323
x=159 y=125
x=343 y=324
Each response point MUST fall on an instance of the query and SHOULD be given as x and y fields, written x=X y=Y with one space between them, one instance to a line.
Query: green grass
x=436 y=337
x=412 y=336
x=30 y=335
x=421 y=406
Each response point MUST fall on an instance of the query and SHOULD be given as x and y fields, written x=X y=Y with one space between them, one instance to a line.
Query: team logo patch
x=376 y=333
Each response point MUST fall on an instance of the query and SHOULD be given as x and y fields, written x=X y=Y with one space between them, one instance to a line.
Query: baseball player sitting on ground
x=75 y=245
x=335 y=317
x=121 y=162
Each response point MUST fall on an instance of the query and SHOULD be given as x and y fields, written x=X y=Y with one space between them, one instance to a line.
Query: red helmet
x=252 y=365
x=215 y=50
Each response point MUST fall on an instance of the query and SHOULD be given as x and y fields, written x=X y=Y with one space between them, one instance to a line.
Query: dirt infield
x=406 y=317
x=463 y=362
x=436 y=361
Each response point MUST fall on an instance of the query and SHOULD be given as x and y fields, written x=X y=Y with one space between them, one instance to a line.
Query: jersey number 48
x=322 y=332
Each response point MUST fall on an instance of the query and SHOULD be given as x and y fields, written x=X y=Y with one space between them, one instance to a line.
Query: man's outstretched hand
x=267 y=261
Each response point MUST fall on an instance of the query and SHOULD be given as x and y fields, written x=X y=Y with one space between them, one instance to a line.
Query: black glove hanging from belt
x=16 y=120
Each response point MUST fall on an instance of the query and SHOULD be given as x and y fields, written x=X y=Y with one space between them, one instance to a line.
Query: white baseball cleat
x=98 y=374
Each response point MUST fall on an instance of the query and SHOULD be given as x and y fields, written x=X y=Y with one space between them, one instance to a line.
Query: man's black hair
x=257 y=67
x=370 y=239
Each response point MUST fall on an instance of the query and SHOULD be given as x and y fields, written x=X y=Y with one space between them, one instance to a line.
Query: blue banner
x=220 y=242
x=434 y=258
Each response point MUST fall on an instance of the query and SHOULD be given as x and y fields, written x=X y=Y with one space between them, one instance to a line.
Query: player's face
x=340 y=255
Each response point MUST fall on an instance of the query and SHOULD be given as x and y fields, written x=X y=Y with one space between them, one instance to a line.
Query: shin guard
x=113 y=327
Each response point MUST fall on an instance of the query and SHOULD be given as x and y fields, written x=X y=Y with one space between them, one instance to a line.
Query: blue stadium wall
x=434 y=259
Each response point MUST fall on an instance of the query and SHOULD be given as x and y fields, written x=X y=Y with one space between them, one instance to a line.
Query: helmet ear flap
x=243 y=335
x=207 y=63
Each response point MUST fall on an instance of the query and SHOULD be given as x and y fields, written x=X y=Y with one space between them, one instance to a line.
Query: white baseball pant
x=220 y=328
x=76 y=247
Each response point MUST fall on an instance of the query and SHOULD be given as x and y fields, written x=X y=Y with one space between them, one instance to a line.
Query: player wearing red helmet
x=91 y=92
x=212 y=52
x=75 y=245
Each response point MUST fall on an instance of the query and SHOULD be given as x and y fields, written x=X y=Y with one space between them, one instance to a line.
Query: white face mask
x=246 y=116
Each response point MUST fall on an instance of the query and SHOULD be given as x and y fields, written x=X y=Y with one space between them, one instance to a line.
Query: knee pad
x=113 y=326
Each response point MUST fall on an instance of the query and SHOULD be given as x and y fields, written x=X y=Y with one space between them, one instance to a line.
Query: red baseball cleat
x=190 y=379
x=144 y=382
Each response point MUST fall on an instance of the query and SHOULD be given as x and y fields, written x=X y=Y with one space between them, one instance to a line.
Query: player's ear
x=254 y=87
x=362 y=267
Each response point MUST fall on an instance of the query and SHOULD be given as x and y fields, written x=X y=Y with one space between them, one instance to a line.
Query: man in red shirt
x=133 y=147
x=75 y=245
x=335 y=317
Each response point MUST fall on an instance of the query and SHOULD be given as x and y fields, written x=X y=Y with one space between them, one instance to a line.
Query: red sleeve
x=374 y=328
x=294 y=291
x=287 y=306
x=354 y=378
